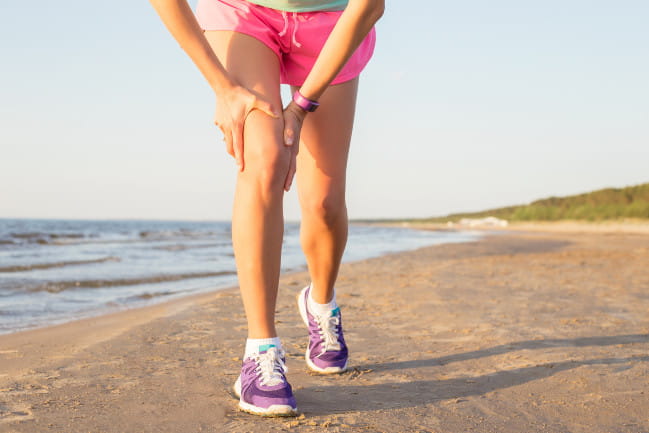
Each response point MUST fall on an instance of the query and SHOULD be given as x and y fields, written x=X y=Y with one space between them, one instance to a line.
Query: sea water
x=53 y=271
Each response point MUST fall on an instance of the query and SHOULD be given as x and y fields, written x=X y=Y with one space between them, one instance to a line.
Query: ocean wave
x=145 y=296
x=37 y=266
x=44 y=238
x=28 y=235
x=73 y=238
x=175 y=234
x=183 y=247
x=68 y=235
x=60 y=286
x=10 y=312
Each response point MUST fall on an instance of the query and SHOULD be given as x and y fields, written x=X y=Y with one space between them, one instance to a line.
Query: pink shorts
x=296 y=37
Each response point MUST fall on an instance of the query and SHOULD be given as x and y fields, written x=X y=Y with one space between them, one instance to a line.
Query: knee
x=328 y=209
x=266 y=164
x=270 y=169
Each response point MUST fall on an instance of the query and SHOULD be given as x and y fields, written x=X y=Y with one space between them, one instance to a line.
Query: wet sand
x=526 y=331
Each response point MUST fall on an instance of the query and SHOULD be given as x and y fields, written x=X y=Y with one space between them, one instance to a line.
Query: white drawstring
x=295 y=25
x=295 y=42
x=283 y=32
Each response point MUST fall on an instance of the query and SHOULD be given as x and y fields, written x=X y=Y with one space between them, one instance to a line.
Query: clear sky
x=465 y=106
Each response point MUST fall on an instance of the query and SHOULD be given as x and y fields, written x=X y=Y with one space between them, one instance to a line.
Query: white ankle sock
x=256 y=345
x=321 y=309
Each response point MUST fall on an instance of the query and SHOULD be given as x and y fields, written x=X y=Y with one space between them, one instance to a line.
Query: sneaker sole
x=275 y=410
x=327 y=370
x=307 y=358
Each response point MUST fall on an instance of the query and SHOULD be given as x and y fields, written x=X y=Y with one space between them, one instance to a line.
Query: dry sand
x=519 y=332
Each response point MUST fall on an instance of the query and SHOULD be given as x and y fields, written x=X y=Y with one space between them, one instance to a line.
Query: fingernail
x=288 y=139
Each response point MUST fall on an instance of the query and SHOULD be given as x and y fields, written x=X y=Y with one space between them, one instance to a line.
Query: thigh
x=324 y=144
x=253 y=65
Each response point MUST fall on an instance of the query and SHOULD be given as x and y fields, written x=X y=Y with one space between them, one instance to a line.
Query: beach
x=54 y=271
x=521 y=331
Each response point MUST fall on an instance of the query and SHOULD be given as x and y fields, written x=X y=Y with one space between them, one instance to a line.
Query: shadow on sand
x=371 y=397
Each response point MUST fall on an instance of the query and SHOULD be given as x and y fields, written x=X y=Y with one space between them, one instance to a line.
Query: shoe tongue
x=265 y=347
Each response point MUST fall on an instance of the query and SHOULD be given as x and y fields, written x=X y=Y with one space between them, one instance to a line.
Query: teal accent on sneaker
x=335 y=311
x=265 y=347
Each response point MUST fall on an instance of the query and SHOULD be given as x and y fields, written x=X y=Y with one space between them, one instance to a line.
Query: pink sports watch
x=305 y=103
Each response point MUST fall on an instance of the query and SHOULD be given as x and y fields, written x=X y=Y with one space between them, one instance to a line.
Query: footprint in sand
x=14 y=413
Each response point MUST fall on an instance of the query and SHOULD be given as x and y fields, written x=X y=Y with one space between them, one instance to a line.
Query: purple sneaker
x=327 y=351
x=262 y=387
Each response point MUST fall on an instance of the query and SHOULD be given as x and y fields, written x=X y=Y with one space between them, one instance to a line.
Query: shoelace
x=270 y=366
x=329 y=332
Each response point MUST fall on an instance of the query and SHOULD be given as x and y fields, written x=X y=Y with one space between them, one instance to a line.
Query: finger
x=292 y=169
x=266 y=107
x=291 y=129
x=291 y=172
x=227 y=139
x=221 y=128
x=289 y=135
x=237 y=143
x=229 y=147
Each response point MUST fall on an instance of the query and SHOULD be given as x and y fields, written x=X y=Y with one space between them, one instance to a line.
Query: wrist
x=296 y=109
x=224 y=88
x=306 y=104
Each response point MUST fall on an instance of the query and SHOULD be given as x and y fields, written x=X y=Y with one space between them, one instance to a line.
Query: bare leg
x=321 y=169
x=257 y=220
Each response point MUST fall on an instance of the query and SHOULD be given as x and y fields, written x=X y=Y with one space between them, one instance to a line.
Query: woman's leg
x=257 y=220
x=322 y=165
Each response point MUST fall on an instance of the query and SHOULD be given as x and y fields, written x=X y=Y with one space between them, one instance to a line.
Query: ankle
x=321 y=296
x=321 y=308
x=256 y=345
x=261 y=329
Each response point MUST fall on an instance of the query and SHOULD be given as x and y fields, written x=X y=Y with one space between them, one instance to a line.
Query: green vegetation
x=604 y=204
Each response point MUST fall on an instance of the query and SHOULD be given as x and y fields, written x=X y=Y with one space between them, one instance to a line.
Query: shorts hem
x=338 y=80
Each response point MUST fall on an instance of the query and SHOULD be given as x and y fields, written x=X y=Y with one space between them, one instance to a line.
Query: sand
x=526 y=331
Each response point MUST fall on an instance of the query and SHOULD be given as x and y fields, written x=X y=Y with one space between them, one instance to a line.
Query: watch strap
x=305 y=103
